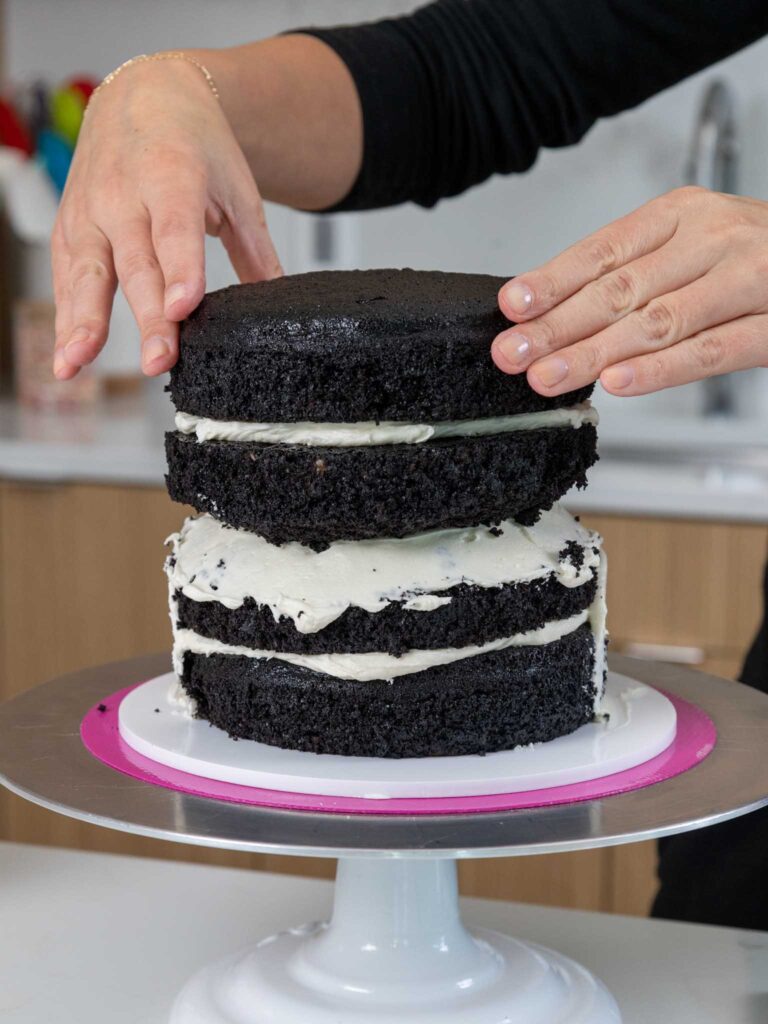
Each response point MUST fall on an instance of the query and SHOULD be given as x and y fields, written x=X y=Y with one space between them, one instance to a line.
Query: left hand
x=672 y=293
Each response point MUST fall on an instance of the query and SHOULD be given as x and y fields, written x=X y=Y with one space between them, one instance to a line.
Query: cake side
x=494 y=702
x=473 y=615
x=222 y=669
x=477 y=584
x=347 y=346
x=315 y=495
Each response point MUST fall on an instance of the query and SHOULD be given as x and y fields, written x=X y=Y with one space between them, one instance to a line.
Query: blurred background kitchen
x=681 y=492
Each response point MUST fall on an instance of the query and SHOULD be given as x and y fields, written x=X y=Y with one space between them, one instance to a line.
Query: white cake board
x=640 y=723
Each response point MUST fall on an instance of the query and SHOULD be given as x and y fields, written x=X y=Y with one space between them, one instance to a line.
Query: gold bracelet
x=162 y=55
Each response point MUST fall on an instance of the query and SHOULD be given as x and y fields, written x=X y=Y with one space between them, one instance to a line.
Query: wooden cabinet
x=681 y=584
x=81 y=583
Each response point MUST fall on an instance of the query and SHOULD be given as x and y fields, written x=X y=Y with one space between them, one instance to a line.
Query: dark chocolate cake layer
x=490 y=702
x=474 y=616
x=317 y=495
x=351 y=346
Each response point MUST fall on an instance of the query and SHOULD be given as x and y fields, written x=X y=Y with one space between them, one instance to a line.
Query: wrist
x=146 y=63
x=237 y=74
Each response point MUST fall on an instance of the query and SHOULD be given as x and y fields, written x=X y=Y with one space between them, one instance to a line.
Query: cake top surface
x=350 y=303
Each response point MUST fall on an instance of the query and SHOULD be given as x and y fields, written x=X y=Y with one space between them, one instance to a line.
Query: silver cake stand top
x=43 y=760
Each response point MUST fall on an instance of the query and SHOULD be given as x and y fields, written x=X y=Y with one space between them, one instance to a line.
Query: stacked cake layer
x=371 y=572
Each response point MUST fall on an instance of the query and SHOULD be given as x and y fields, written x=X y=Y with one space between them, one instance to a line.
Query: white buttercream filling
x=346 y=435
x=214 y=562
x=598 y=612
x=375 y=666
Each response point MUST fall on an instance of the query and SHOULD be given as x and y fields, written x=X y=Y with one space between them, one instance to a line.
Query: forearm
x=295 y=112
x=462 y=89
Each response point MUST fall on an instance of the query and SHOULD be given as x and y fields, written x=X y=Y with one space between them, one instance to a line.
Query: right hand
x=156 y=166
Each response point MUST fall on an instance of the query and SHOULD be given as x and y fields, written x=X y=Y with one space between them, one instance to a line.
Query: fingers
x=646 y=303
x=637 y=234
x=178 y=238
x=84 y=279
x=142 y=281
x=713 y=299
x=600 y=304
x=738 y=345
x=60 y=266
x=245 y=236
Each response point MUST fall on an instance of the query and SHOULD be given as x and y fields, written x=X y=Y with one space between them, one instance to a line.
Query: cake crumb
x=573 y=553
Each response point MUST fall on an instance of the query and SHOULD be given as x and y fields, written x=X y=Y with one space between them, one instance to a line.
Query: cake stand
x=395 y=949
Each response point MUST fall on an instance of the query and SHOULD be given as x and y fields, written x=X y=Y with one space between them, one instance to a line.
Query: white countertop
x=99 y=939
x=621 y=485
x=119 y=441
x=122 y=442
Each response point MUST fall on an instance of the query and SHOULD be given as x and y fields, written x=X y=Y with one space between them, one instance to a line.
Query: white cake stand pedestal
x=395 y=950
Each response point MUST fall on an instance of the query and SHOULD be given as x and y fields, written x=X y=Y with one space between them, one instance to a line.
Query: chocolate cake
x=375 y=410
x=351 y=346
x=379 y=567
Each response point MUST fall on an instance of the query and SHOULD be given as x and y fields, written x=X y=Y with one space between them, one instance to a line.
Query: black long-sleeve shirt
x=463 y=89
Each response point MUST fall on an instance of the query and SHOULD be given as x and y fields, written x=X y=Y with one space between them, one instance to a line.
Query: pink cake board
x=695 y=740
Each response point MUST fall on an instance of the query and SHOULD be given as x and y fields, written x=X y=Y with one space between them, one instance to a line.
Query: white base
x=394 y=952
x=640 y=724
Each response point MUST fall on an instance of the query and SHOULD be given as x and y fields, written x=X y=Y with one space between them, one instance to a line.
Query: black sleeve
x=462 y=89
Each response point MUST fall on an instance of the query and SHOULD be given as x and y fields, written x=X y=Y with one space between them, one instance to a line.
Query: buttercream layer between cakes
x=477 y=584
x=213 y=562
x=349 y=435
x=316 y=495
x=375 y=666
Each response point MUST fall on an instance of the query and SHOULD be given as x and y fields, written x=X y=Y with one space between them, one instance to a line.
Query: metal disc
x=43 y=760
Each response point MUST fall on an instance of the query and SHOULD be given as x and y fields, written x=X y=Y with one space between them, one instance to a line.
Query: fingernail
x=59 y=363
x=79 y=335
x=618 y=377
x=513 y=348
x=175 y=293
x=154 y=349
x=77 y=352
x=518 y=297
x=551 y=371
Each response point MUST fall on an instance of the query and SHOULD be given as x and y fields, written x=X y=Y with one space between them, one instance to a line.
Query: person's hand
x=674 y=292
x=156 y=166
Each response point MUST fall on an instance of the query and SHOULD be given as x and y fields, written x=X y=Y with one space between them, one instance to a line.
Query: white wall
x=505 y=225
